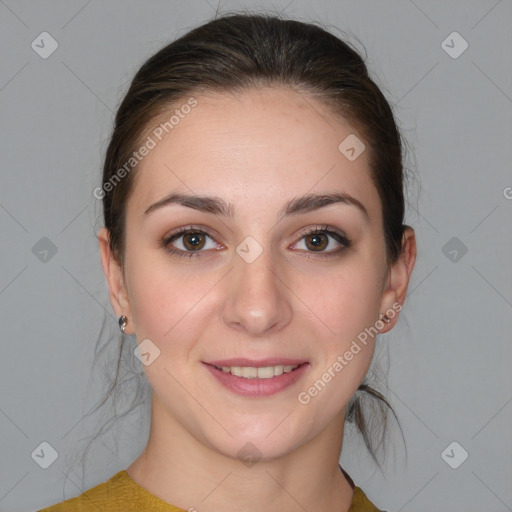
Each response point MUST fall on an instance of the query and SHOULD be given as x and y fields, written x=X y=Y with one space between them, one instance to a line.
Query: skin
x=256 y=150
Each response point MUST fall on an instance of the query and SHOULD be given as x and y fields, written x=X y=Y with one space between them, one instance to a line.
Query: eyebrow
x=295 y=206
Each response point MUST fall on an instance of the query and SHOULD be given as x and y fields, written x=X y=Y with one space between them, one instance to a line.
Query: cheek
x=158 y=295
x=348 y=305
x=346 y=301
x=168 y=305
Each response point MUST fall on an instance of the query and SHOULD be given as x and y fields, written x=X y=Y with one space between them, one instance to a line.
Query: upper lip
x=269 y=361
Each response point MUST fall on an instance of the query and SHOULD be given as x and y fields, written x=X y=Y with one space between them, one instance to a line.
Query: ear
x=397 y=279
x=115 y=279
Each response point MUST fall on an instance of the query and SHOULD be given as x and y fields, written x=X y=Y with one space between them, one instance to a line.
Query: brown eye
x=194 y=240
x=317 y=241
x=188 y=242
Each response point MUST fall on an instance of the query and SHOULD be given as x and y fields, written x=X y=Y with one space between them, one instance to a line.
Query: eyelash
x=166 y=241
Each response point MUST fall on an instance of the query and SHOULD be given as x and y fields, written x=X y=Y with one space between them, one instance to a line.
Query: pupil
x=195 y=239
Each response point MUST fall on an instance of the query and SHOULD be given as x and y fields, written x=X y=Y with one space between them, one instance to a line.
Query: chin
x=249 y=450
x=263 y=442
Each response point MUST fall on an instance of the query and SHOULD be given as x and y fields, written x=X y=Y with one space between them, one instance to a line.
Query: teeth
x=251 y=372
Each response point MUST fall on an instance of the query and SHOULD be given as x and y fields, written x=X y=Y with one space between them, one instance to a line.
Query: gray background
x=449 y=356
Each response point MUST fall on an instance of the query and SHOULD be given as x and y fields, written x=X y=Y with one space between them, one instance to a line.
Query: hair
x=237 y=52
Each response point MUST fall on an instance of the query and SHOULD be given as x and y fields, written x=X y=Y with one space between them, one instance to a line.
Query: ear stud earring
x=122 y=323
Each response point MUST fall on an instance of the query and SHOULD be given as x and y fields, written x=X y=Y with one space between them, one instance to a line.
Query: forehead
x=259 y=143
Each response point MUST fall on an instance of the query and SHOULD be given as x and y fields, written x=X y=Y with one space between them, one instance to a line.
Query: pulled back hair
x=236 y=52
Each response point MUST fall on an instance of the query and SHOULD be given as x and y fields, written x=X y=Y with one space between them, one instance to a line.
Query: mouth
x=257 y=379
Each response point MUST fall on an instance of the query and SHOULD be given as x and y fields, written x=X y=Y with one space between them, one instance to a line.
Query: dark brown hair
x=239 y=51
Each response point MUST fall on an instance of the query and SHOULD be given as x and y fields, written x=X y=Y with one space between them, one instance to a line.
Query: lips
x=255 y=378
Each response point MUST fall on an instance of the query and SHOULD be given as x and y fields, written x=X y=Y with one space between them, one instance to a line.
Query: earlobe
x=114 y=276
x=398 y=278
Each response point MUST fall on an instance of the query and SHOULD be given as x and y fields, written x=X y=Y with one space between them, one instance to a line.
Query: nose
x=257 y=297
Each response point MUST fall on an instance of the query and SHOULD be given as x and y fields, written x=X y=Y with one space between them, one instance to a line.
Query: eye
x=318 y=239
x=192 y=243
x=194 y=240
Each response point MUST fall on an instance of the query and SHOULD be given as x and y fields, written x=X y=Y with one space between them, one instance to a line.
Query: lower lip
x=258 y=387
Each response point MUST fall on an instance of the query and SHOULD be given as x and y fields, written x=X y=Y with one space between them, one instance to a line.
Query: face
x=258 y=278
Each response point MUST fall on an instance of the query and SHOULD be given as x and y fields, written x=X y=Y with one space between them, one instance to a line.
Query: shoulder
x=118 y=494
x=360 y=503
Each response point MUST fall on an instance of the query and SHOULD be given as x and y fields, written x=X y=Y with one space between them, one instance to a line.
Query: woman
x=254 y=244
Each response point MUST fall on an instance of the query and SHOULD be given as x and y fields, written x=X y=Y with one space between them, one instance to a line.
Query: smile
x=257 y=381
x=263 y=372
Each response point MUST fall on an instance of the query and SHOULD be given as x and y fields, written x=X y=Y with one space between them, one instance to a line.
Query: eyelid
x=191 y=228
x=322 y=228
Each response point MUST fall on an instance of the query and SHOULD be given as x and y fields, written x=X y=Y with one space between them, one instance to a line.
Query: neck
x=180 y=470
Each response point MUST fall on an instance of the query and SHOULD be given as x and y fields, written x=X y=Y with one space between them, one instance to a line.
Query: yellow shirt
x=122 y=494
